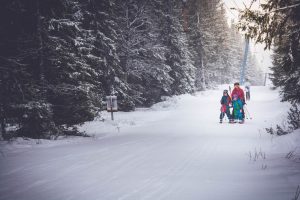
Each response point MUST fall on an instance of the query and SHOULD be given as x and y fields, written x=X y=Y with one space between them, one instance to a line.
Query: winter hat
x=236 y=83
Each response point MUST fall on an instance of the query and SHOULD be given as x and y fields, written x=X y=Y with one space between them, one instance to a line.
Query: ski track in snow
x=181 y=152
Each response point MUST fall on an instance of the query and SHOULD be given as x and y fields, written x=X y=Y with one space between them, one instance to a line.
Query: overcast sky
x=263 y=57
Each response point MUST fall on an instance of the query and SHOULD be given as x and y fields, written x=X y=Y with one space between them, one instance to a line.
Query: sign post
x=111 y=105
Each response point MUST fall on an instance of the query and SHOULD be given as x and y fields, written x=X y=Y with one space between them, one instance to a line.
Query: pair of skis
x=233 y=122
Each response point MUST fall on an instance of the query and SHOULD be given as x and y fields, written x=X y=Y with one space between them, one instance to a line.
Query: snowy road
x=178 y=153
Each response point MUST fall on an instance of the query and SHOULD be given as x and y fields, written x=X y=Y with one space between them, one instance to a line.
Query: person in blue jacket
x=237 y=105
x=225 y=102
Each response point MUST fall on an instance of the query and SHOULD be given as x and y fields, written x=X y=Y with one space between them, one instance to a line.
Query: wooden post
x=111 y=108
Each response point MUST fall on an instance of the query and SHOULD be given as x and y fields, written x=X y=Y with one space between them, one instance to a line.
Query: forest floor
x=174 y=150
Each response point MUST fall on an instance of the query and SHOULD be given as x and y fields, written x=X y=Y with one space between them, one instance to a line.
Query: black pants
x=248 y=96
x=222 y=115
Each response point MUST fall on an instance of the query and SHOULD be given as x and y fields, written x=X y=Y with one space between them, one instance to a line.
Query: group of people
x=236 y=101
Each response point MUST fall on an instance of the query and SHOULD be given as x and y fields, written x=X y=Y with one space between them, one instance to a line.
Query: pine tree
x=278 y=24
x=153 y=75
x=98 y=47
x=253 y=74
x=236 y=50
x=23 y=81
x=215 y=41
x=178 y=56
x=51 y=95
x=191 y=13
x=68 y=75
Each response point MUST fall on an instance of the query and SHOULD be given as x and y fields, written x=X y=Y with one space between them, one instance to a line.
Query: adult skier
x=239 y=92
x=247 y=89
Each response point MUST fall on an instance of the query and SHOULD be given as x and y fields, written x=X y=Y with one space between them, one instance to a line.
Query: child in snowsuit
x=225 y=102
x=237 y=105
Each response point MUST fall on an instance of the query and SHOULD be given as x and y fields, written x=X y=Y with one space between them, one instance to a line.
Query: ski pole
x=246 y=115
x=247 y=112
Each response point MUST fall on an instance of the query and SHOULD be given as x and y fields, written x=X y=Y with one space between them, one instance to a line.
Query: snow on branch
x=286 y=7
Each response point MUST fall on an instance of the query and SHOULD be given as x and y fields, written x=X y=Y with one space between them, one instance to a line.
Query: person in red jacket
x=240 y=94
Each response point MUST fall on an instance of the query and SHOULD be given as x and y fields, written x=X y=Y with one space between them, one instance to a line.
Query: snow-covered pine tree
x=236 y=49
x=98 y=47
x=215 y=39
x=23 y=86
x=49 y=92
x=286 y=65
x=154 y=80
x=178 y=56
x=68 y=75
x=141 y=51
x=191 y=12
x=223 y=44
x=14 y=47
x=253 y=74
x=278 y=24
x=133 y=26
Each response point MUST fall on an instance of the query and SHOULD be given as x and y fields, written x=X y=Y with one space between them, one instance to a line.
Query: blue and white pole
x=244 y=63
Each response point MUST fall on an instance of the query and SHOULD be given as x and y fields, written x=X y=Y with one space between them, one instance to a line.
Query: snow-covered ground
x=175 y=150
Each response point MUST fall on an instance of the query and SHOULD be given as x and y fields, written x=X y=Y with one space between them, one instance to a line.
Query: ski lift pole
x=244 y=63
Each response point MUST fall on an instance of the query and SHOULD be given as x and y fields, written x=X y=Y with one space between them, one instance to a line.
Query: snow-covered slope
x=174 y=150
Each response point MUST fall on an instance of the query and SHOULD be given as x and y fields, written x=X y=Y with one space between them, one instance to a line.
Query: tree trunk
x=2 y=122
x=40 y=51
